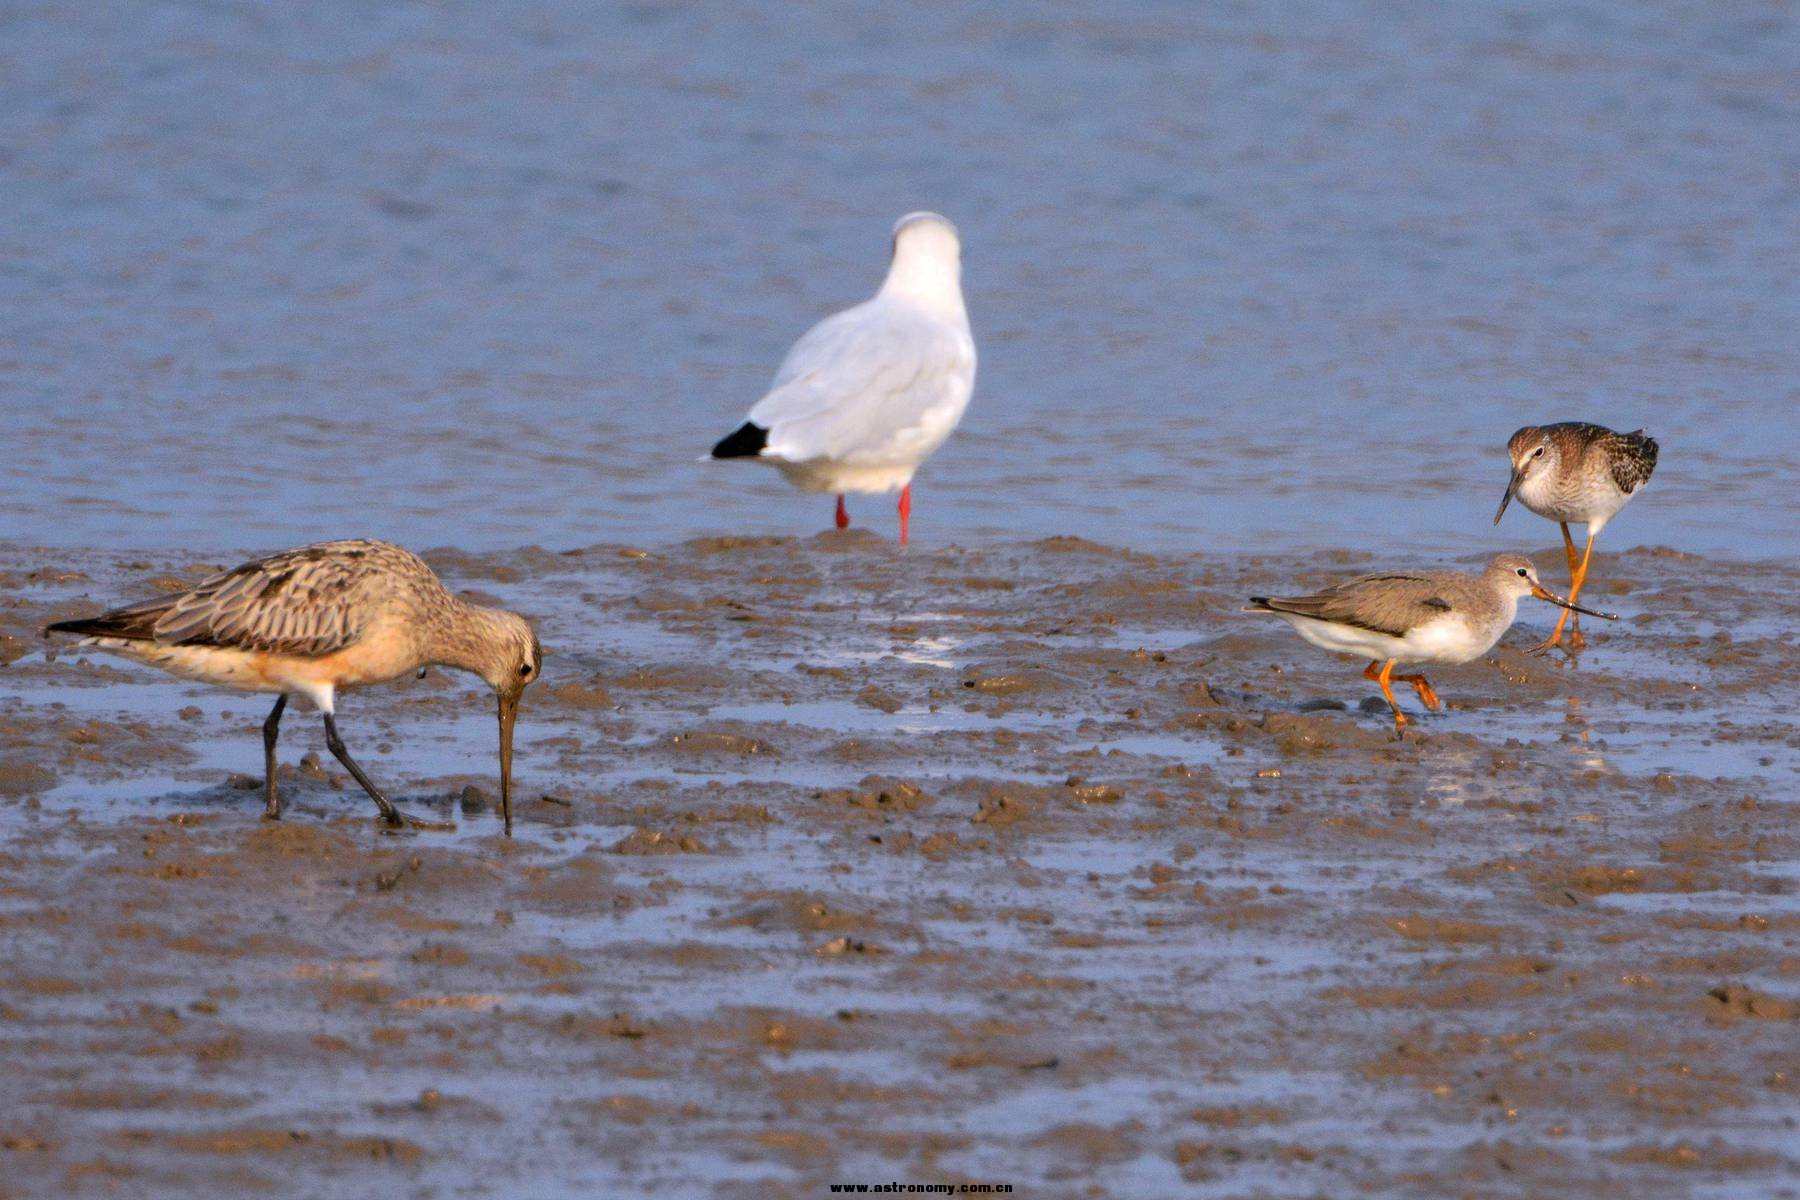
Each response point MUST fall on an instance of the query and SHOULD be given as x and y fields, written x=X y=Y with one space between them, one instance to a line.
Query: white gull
x=871 y=392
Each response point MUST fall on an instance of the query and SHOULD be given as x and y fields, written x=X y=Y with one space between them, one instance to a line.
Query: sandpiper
x=318 y=618
x=870 y=393
x=1427 y=617
x=1580 y=473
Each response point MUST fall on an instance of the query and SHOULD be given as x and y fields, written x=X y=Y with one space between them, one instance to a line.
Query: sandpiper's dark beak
x=1512 y=485
x=509 y=711
x=1543 y=593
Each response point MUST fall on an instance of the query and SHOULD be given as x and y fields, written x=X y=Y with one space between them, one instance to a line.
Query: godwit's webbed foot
x=389 y=813
x=427 y=824
x=271 y=731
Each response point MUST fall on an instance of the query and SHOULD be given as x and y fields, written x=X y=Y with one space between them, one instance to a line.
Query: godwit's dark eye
x=525 y=670
x=1538 y=453
x=1524 y=574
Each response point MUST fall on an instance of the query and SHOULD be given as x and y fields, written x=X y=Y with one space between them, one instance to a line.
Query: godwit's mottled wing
x=1385 y=604
x=1632 y=457
x=311 y=601
x=863 y=381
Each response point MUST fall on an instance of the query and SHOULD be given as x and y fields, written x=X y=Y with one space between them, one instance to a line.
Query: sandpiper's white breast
x=1574 y=498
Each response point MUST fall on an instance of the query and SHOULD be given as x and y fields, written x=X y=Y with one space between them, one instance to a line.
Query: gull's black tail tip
x=746 y=441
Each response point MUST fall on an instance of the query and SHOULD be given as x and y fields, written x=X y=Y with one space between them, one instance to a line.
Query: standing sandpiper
x=319 y=618
x=870 y=393
x=1428 y=617
x=1580 y=473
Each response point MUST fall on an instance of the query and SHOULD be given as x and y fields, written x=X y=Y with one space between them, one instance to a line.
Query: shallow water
x=1242 y=276
x=1074 y=884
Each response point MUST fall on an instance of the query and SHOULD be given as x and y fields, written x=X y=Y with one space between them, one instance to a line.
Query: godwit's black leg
x=389 y=813
x=271 y=731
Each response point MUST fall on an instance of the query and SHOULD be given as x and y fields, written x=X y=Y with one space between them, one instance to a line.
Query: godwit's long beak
x=1543 y=593
x=1512 y=485
x=509 y=712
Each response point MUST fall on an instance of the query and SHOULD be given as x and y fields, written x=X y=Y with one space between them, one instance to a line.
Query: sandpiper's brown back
x=1391 y=604
x=1596 y=470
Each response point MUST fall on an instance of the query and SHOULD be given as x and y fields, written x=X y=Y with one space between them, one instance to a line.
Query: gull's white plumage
x=869 y=393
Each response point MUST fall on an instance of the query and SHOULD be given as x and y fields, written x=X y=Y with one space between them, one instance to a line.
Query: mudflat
x=1033 y=864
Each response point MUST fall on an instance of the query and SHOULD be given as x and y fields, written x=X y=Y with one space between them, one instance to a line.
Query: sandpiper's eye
x=525 y=670
x=1538 y=453
x=1524 y=574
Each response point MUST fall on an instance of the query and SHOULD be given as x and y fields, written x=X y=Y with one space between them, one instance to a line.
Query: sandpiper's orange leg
x=1578 y=569
x=271 y=731
x=843 y=515
x=1427 y=694
x=1381 y=677
x=1569 y=549
x=1580 y=578
x=905 y=510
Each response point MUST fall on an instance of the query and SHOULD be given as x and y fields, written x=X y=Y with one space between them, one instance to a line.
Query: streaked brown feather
x=311 y=601
x=133 y=623
x=1632 y=457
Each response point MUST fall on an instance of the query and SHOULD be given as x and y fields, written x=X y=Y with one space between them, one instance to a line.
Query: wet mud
x=1034 y=864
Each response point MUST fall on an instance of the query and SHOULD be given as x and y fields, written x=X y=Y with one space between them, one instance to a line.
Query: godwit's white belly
x=368 y=661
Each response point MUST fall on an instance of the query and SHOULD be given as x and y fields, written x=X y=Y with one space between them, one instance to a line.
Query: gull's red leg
x=843 y=515
x=905 y=510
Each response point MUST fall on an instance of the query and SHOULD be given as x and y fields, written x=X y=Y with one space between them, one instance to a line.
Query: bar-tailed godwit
x=319 y=618
x=868 y=394
x=1427 y=617
x=1573 y=472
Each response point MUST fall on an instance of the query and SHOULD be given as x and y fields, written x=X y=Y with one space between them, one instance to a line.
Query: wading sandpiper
x=1424 y=617
x=319 y=618
x=870 y=393
x=1573 y=472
